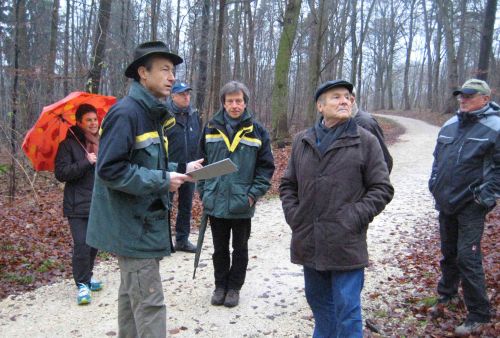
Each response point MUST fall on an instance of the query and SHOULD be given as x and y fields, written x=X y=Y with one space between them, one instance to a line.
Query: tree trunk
x=218 y=57
x=155 y=9
x=486 y=39
x=280 y=89
x=428 y=37
x=51 y=61
x=316 y=48
x=252 y=62
x=94 y=78
x=445 y=15
x=201 y=87
x=406 y=90
x=66 y=48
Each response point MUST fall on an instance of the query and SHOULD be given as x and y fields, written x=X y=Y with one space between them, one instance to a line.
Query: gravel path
x=272 y=299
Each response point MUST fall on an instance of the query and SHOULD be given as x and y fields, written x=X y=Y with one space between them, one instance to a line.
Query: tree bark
x=486 y=39
x=280 y=89
x=406 y=85
x=218 y=57
x=201 y=87
x=52 y=51
x=94 y=79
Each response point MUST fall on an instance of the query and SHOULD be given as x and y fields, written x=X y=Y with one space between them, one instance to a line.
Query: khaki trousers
x=141 y=307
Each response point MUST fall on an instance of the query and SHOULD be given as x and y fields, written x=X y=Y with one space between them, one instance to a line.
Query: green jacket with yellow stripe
x=130 y=201
x=250 y=149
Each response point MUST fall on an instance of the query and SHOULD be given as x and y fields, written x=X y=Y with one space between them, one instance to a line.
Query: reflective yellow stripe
x=236 y=140
x=253 y=140
x=144 y=137
x=169 y=123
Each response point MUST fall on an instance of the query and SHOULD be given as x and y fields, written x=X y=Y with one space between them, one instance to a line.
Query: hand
x=251 y=201
x=92 y=158
x=176 y=180
x=194 y=165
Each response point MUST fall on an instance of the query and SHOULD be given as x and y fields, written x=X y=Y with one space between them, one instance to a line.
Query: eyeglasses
x=237 y=101
x=467 y=96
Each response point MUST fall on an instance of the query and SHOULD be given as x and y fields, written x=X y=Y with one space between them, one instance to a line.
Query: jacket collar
x=172 y=107
x=218 y=120
x=154 y=108
x=348 y=137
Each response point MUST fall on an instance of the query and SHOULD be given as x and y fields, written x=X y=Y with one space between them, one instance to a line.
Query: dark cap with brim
x=147 y=49
x=332 y=84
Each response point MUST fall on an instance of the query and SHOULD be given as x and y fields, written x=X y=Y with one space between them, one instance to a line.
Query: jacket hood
x=155 y=109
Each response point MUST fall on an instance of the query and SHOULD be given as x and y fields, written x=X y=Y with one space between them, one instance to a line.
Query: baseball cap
x=180 y=87
x=474 y=86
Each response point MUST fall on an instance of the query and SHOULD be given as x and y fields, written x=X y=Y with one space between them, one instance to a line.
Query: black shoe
x=232 y=298
x=186 y=246
x=444 y=302
x=468 y=327
x=218 y=296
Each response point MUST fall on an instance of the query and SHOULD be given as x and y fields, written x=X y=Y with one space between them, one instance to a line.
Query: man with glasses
x=465 y=183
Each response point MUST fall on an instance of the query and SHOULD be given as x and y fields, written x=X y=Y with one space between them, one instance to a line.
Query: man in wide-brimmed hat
x=465 y=182
x=128 y=216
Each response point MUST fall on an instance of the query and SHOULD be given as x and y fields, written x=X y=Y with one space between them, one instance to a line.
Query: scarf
x=231 y=124
x=91 y=142
x=326 y=136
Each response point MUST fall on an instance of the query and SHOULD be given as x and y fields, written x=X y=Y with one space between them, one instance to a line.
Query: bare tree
x=280 y=88
x=486 y=39
x=216 y=82
x=99 y=45
x=52 y=50
x=406 y=91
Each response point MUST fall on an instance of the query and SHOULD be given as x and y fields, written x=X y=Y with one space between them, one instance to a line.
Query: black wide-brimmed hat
x=332 y=84
x=147 y=49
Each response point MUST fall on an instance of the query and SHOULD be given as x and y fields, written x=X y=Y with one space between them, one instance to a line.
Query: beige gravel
x=272 y=299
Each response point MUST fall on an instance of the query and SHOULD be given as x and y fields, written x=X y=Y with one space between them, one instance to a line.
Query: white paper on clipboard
x=226 y=166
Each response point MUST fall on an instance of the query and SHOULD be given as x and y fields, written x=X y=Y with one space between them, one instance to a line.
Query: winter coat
x=227 y=196
x=73 y=168
x=329 y=200
x=129 y=208
x=368 y=122
x=184 y=136
x=466 y=164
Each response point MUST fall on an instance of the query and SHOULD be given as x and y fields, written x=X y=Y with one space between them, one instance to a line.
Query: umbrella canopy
x=42 y=140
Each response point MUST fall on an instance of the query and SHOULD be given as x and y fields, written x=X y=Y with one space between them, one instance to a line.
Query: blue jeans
x=335 y=300
x=185 y=203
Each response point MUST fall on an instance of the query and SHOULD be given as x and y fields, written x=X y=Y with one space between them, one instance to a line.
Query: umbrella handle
x=77 y=140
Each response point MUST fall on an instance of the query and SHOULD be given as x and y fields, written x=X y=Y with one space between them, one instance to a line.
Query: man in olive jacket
x=229 y=200
x=131 y=191
x=336 y=182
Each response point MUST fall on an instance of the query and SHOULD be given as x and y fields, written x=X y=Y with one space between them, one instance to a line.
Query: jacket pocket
x=238 y=202
x=209 y=195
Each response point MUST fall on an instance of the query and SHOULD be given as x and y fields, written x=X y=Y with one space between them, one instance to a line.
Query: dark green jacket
x=128 y=214
x=250 y=149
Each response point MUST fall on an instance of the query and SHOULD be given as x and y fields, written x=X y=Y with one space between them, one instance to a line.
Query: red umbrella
x=42 y=140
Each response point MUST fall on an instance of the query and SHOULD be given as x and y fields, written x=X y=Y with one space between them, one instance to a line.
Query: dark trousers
x=230 y=275
x=185 y=204
x=462 y=259
x=83 y=255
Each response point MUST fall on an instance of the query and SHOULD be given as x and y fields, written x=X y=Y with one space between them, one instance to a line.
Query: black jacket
x=73 y=168
x=466 y=164
x=184 y=136
x=368 y=122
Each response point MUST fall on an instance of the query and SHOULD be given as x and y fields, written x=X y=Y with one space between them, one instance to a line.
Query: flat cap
x=332 y=84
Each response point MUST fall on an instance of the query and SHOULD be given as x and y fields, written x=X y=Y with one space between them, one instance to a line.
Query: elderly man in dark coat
x=336 y=182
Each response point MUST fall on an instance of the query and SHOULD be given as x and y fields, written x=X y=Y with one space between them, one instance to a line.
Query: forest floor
x=35 y=251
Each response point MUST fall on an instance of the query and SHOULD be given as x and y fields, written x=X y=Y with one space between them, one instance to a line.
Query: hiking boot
x=468 y=327
x=232 y=298
x=95 y=285
x=186 y=246
x=218 y=296
x=83 y=294
x=444 y=302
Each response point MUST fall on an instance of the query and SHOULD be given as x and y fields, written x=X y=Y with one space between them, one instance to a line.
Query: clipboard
x=223 y=167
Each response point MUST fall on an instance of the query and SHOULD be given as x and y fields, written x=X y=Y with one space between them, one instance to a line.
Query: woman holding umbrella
x=75 y=165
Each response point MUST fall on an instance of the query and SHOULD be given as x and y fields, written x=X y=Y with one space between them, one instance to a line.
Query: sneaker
x=468 y=327
x=444 y=302
x=232 y=298
x=95 y=285
x=83 y=294
x=186 y=246
x=218 y=296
